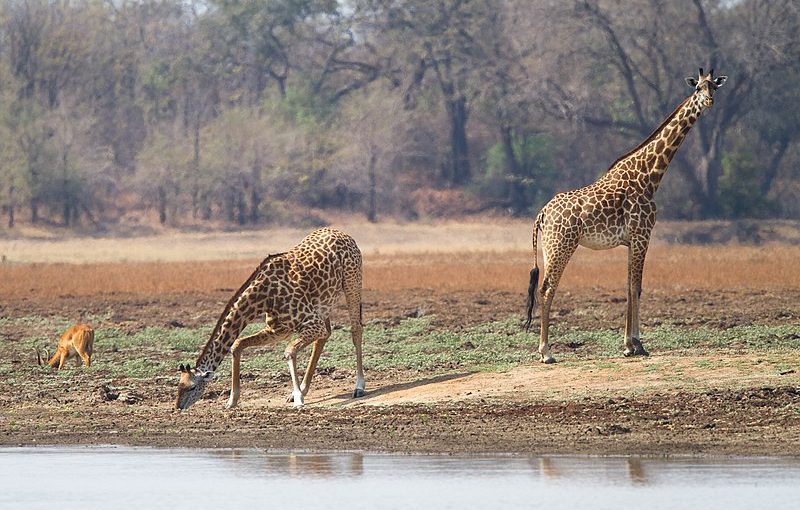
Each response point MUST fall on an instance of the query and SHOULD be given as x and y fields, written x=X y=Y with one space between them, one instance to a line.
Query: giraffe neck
x=650 y=160
x=238 y=313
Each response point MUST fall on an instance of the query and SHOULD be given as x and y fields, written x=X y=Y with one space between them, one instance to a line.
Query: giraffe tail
x=534 y=280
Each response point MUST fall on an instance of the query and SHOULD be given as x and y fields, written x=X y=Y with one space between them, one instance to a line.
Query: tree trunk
x=241 y=206
x=162 y=205
x=229 y=205
x=10 y=206
x=516 y=197
x=205 y=206
x=372 y=205
x=34 y=210
x=255 y=192
x=457 y=114
x=196 y=169
x=774 y=163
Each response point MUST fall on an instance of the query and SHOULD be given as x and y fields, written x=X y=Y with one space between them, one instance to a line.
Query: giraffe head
x=704 y=87
x=191 y=385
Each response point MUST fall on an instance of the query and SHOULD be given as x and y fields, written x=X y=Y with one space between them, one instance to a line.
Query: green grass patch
x=413 y=344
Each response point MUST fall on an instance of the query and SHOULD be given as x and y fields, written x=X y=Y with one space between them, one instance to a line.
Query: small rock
x=617 y=429
x=468 y=345
x=106 y=393
x=129 y=397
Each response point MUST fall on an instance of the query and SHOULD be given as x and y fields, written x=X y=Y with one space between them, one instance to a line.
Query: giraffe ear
x=718 y=81
x=692 y=82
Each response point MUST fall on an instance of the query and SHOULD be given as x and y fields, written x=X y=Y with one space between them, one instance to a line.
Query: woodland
x=237 y=112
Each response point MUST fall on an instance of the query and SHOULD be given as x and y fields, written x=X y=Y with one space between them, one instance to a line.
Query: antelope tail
x=534 y=281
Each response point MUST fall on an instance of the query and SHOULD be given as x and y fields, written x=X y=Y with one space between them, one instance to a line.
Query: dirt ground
x=616 y=407
x=710 y=401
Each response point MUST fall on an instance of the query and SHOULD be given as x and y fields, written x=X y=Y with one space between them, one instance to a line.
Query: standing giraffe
x=618 y=209
x=295 y=291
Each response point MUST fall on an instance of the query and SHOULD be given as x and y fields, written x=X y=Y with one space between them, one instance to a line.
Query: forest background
x=234 y=113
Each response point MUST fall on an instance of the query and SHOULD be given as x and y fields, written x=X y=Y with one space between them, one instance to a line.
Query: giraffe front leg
x=297 y=394
x=262 y=337
x=308 y=335
x=233 y=399
x=633 y=342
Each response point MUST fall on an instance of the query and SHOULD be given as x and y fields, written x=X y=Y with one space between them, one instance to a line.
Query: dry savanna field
x=448 y=367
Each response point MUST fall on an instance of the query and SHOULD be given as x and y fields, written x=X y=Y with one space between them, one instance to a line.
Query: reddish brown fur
x=77 y=341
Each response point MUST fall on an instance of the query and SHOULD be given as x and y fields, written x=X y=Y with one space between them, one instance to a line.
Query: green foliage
x=536 y=178
x=740 y=186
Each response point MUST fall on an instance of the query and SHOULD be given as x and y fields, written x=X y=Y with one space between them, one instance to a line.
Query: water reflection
x=293 y=464
x=356 y=480
x=614 y=469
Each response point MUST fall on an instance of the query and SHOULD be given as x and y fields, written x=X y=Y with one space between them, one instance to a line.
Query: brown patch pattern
x=295 y=291
x=616 y=210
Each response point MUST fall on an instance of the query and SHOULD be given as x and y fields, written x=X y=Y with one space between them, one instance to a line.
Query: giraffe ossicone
x=295 y=291
x=616 y=210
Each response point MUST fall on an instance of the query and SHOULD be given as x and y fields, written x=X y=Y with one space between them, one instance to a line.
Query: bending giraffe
x=617 y=210
x=296 y=291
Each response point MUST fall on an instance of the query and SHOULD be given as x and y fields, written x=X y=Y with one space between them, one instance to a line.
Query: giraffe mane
x=232 y=300
x=652 y=135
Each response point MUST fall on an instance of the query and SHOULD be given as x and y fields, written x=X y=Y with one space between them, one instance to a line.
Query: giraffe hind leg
x=352 y=293
x=636 y=257
x=556 y=259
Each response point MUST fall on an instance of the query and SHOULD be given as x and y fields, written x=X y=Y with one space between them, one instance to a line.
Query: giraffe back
x=303 y=283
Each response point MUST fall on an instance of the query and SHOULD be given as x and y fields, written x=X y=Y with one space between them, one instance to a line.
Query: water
x=122 y=477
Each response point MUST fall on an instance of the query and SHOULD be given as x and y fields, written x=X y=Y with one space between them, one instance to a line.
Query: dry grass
x=387 y=238
x=373 y=239
x=668 y=268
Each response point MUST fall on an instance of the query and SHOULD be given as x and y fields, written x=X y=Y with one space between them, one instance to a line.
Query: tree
x=636 y=51
x=372 y=147
x=440 y=39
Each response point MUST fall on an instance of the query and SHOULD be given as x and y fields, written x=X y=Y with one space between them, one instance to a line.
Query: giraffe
x=295 y=290
x=616 y=210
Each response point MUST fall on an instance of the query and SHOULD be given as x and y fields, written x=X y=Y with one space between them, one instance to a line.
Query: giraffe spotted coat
x=616 y=210
x=295 y=292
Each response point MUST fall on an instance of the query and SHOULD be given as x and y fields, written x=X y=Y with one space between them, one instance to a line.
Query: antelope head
x=191 y=385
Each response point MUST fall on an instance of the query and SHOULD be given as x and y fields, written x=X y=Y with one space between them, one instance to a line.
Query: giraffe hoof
x=548 y=360
x=638 y=350
x=358 y=393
